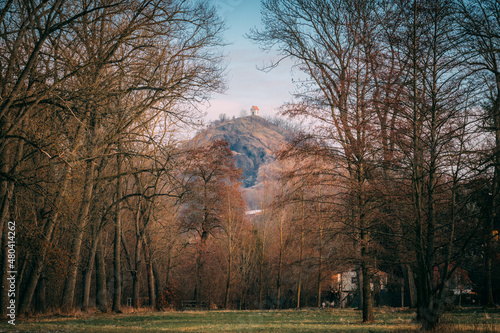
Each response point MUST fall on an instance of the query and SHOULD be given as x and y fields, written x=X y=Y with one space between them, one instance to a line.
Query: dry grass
x=312 y=320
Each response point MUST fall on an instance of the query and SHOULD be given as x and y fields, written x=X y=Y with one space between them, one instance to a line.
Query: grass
x=312 y=320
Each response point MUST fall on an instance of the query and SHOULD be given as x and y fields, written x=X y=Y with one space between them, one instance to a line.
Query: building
x=254 y=111
x=341 y=289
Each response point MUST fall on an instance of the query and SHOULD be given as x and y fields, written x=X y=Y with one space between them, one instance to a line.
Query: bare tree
x=332 y=42
x=431 y=124
x=479 y=25
x=96 y=79
x=232 y=222
x=210 y=171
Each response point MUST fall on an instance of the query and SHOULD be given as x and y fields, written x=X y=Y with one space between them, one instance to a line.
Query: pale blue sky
x=247 y=85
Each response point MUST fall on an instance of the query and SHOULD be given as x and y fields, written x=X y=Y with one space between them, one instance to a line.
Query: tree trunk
x=320 y=250
x=228 y=276
x=359 y=273
x=69 y=286
x=117 y=271
x=495 y=196
x=489 y=284
x=320 y=262
x=150 y=273
x=157 y=285
x=41 y=290
x=52 y=221
x=7 y=193
x=299 y=282
x=366 y=266
x=21 y=271
x=4 y=219
x=135 y=274
x=100 y=274
x=167 y=273
x=367 y=294
x=417 y=173
x=495 y=192
x=261 y=268
x=199 y=265
x=87 y=273
x=39 y=260
x=410 y=284
x=280 y=260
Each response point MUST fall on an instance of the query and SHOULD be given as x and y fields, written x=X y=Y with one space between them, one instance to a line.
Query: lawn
x=312 y=320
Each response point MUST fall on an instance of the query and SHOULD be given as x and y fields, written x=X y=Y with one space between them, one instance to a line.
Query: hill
x=252 y=139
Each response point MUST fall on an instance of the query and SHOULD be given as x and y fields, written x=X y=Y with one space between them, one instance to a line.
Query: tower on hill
x=254 y=111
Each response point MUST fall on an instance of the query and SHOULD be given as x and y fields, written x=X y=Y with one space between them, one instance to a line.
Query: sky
x=247 y=85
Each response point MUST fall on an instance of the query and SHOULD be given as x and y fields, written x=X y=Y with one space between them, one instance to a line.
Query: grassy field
x=336 y=320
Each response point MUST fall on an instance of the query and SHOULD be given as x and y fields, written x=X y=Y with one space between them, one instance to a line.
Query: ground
x=311 y=320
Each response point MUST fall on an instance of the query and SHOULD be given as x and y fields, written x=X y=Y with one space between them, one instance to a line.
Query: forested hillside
x=391 y=197
x=253 y=140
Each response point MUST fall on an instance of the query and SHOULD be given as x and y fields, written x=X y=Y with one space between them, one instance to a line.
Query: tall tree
x=332 y=42
x=479 y=23
x=232 y=222
x=432 y=121
x=84 y=73
x=210 y=172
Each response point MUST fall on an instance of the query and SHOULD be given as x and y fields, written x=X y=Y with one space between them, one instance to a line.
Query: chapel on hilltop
x=254 y=111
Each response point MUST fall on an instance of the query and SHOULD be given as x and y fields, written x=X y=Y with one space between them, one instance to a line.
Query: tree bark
x=261 y=263
x=52 y=222
x=39 y=261
x=320 y=263
x=409 y=282
x=359 y=273
x=280 y=259
x=229 y=233
x=495 y=204
x=199 y=266
x=150 y=273
x=100 y=273
x=82 y=219
x=366 y=267
x=135 y=274
x=299 y=279
x=228 y=284
x=117 y=272
x=367 y=295
x=87 y=273
x=157 y=284
x=40 y=293
x=228 y=275
x=7 y=193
